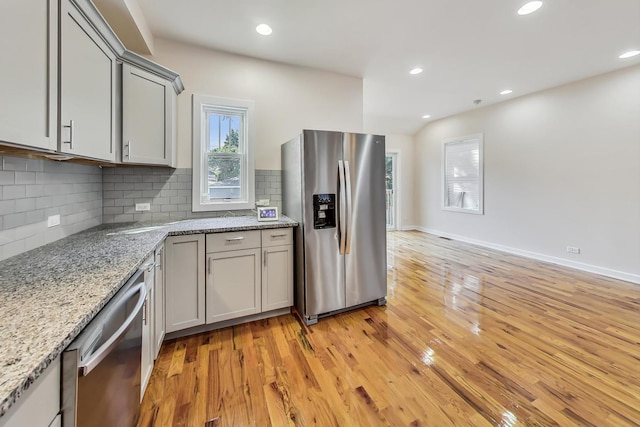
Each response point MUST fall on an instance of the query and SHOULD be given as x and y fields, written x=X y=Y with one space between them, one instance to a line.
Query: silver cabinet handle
x=279 y=235
x=128 y=147
x=112 y=342
x=70 y=141
x=209 y=265
x=234 y=239
x=145 y=315
x=265 y=258
x=159 y=262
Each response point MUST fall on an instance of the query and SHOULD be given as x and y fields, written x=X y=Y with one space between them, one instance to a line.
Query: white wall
x=402 y=145
x=287 y=98
x=562 y=167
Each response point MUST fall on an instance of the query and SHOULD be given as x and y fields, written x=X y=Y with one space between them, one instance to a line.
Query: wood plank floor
x=470 y=337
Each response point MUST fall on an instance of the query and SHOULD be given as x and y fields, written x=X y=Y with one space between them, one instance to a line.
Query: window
x=223 y=173
x=462 y=174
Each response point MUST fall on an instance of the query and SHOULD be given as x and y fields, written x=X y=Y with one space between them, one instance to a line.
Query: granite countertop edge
x=161 y=232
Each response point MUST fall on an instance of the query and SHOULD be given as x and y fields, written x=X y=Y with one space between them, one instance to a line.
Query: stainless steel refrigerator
x=334 y=186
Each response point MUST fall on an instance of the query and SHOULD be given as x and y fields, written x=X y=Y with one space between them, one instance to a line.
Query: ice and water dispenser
x=324 y=211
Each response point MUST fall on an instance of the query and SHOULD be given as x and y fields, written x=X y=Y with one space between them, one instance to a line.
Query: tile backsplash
x=269 y=186
x=31 y=190
x=168 y=191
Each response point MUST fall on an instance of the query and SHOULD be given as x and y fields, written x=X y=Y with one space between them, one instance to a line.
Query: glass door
x=390 y=180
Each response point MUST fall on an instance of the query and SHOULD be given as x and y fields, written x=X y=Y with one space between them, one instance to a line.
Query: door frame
x=395 y=159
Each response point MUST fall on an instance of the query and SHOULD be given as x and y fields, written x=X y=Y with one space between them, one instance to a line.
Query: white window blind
x=463 y=172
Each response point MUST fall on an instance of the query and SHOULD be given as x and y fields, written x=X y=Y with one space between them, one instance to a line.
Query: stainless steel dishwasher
x=101 y=367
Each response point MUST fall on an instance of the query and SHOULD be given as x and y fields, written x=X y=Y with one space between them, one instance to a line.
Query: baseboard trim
x=615 y=274
x=409 y=228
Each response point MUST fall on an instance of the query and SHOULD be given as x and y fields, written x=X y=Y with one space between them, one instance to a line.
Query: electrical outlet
x=143 y=207
x=573 y=250
x=53 y=220
x=263 y=202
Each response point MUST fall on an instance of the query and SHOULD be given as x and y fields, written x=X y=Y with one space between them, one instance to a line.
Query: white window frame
x=203 y=104
x=476 y=139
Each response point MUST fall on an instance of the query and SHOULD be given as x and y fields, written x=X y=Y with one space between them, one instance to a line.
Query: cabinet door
x=148 y=321
x=146 y=367
x=87 y=88
x=147 y=117
x=233 y=284
x=277 y=277
x=158 y=312
x=184 y=282
x=29 y=92
x=40 y=404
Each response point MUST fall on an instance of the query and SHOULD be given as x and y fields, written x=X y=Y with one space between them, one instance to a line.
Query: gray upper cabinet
x=28 y=94
x=62 y=89
x=87 y=88
x=148 y=117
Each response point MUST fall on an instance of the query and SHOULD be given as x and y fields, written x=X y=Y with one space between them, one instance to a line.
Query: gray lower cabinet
x=277 y=277
x=248 y=272
x=158 y=311
x=244 y=273
x=277 y=268
x=148 y=321
x=233 y=275
x=148 y=117
x=184 y=282
x=233 y=284
x=29 y=92
x=40 y=404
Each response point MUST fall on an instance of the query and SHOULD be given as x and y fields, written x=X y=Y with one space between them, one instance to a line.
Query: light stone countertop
x=49 y=294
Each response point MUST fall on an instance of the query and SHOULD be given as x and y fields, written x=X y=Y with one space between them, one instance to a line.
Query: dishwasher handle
x=89 y=365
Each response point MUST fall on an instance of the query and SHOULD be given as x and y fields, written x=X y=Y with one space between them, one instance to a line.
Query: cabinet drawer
x=231 y=241
x=277 y=237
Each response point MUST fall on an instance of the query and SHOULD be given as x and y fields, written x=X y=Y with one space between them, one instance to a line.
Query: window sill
x=221 y=206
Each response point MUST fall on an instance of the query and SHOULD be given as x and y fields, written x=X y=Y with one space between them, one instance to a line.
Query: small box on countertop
x=267 y=213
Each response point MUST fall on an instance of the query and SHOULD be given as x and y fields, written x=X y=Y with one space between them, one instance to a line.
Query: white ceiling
x=469 y=49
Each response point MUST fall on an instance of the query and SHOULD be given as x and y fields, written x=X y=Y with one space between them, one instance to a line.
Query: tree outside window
x=223 y=170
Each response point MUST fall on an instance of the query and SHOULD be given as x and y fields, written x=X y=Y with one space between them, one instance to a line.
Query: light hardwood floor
x=470 y=337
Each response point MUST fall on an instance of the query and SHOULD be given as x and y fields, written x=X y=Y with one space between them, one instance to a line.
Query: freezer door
x=365 y=260
x=324 y=266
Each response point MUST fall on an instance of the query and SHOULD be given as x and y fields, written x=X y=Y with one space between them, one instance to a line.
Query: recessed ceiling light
x=415 y=71
x=264 y=29
x=426 y=116
x=506 y=92
x=629 y=54
x=530 y=7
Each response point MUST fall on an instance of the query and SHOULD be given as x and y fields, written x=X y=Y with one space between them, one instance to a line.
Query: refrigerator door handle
x=349 y=220
x=342 y=222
